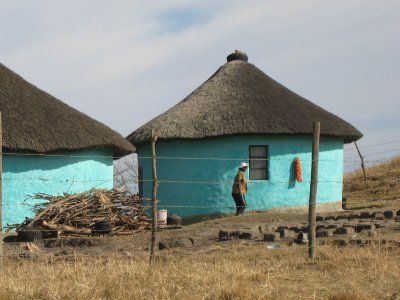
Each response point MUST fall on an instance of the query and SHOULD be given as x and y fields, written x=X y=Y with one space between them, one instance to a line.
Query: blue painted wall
x=213 y=197
x=75 y=172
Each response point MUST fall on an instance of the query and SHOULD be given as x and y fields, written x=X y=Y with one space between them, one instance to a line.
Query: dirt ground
x=189 y=239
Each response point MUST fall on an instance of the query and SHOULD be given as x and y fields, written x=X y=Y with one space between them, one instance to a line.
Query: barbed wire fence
x=130 y=176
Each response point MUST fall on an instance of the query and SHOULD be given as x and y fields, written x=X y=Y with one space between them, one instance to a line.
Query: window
x=258 y=169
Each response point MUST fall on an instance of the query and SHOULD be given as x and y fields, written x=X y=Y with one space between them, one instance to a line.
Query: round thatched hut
x=241 y=114
x=49 y=147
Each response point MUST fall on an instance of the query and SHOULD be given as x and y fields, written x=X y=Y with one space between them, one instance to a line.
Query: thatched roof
x=34 y=121
x=239 y=99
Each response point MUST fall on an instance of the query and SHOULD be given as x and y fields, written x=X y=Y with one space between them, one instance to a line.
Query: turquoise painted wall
x=279 y=190
x=75 y=172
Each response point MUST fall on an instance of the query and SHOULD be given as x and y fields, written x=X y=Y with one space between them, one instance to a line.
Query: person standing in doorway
x=239 y=189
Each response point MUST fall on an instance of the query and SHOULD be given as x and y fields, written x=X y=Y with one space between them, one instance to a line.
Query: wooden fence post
x=362 y=161
x=154 y=196
x=313 y=191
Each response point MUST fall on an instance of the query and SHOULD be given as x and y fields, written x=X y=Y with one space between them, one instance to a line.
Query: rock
x=364 y=215
x=364 y=226
x=397 y=218
x=353 y=216
x=163 y=245
x=320 y=218
x=327 y=218
x=379 y=216
x=398 y=212
x=287 y=234
x=324 y=233
x=389 y=214
x=235 y=233
x=246 y=235
x=345 y=230
x=272 y=237
x=331 y=226
x=341 y=217
x=378 y=224
x=320 y=226
x=301 y=238
x=223 y=235
x=266 y=228
x=295 y=229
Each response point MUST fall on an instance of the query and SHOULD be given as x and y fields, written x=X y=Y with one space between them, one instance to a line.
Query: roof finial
x=237 y=55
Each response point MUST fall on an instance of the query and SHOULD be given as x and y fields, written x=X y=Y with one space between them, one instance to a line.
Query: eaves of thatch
x=239 y=99
x=36 y=122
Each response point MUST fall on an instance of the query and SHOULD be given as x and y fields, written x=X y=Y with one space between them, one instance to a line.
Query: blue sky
x=124 y=62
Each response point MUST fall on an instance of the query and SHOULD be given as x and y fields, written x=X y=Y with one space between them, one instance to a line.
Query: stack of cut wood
x=78 y=213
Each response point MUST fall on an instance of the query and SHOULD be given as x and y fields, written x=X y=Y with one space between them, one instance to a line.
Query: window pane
x=258 y=174
x=258 y=164
x=258 y=151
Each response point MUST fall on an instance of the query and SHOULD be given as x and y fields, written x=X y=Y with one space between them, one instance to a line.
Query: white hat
x=243 y=165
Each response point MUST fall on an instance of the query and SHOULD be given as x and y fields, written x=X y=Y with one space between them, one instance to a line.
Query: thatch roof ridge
x=36 y=122
x=240 y=99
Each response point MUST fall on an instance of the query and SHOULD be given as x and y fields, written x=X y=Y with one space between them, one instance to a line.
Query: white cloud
x=116 y=62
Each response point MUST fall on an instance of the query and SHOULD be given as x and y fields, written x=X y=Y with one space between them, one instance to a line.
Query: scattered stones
x=364 y=215
x=301 y=238
x=353 y=216
x=379 y=216
x=272 y=237
x=235 y=233
x=344 y=230
x=331 y=226
x=295 y=229
x=287 y=234
x=246 y=235
x=389 y=214
x=364 y=226
x=324 y=233
x=223 y=235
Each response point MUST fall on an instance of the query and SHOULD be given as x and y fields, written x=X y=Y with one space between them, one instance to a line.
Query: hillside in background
x=382 y=187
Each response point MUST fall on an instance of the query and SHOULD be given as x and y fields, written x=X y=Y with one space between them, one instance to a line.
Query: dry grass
x=222 y=272
x=381 y=189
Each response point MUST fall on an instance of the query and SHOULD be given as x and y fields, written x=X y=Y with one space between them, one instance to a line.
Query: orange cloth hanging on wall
x=298 y=170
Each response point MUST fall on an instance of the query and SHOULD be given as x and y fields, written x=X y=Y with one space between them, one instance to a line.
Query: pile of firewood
x=78 y=213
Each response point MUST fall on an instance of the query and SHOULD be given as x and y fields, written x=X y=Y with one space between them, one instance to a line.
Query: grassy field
x=382 y=188
x=220 y=272
x=225 y=270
